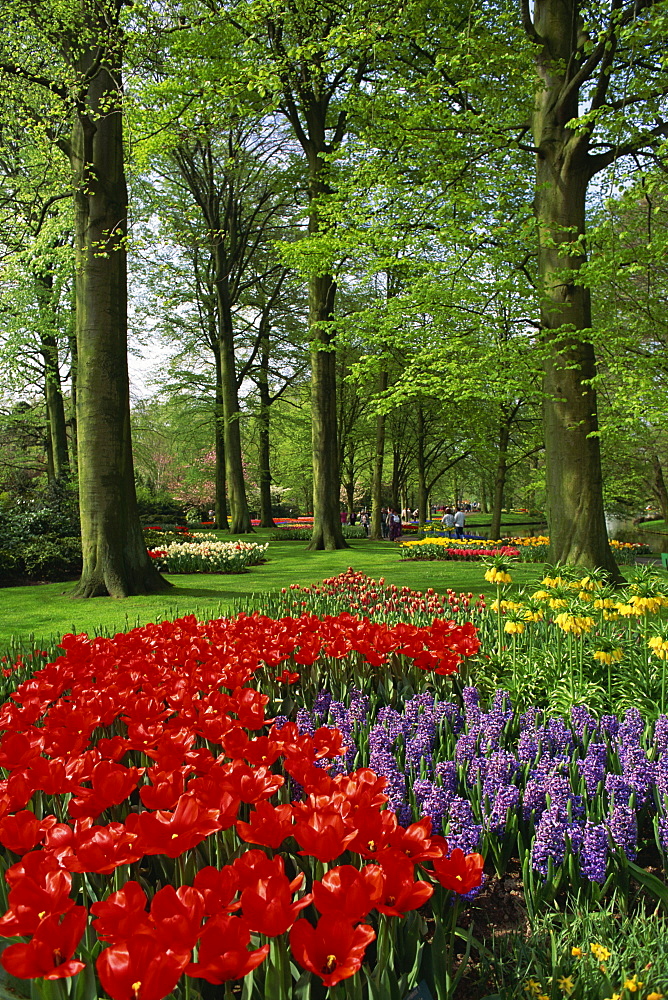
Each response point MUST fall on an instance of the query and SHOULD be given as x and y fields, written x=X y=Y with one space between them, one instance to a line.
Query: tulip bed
x=296 y=804
x=162 y=835
x=208 y=555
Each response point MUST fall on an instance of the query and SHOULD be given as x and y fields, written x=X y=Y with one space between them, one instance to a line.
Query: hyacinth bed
x=299 y=803
x=208 y=555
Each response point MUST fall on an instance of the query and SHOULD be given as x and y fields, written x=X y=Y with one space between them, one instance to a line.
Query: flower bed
x=576 y=800
x=440 y=548
x=209 y=556
x=147 y=761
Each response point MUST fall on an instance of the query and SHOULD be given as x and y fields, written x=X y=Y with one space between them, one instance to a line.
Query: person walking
x=385 y=522
x=448 y=521
x=364 y=521
x=459 y=522
x=395 y=525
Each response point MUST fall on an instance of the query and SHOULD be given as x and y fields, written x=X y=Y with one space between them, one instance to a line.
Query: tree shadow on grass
x=180 y=593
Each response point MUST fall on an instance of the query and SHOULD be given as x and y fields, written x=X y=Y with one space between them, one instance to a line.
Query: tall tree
x=77 y=56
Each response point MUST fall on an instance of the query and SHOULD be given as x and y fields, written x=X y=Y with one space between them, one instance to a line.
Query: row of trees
x=403 y=193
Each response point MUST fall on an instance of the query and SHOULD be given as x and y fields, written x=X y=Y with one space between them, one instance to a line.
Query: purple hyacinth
x=581 y=719
x=631 y=729
x=466 y=747
x=661 y=734
x=384 y=763
x=462 y=830
x=493 y=723
x=592 y=767
x=662 y=830
x=559 y=736
x=554 y=834
x=359 y=706
x=662 y=775
x=623 y=827
x=392 y=721
x=322 y=703
x=471 y=699
x=503 y=800
x=432 y=800
x=305 y=722
x=419 y=748
x=528 y=746
x=639 y=772
x=594 y=852
x=609 y=725
x=500 y=770
x=446 y=773
x=450 y=712
x=618 y=788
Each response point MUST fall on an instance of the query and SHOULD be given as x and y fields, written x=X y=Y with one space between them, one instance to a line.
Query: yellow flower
x=514 y=627
x=632 y=985
x=608 y=656
x=494 y=575
x=566 y=984
x=600 y=953
x=532 y=987
x=576 y=952
x=654 y=996
x=615 y=996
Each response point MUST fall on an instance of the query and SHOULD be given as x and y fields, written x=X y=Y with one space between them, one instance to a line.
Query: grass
x=484 y=520
x=659 y=526
x=46 y=611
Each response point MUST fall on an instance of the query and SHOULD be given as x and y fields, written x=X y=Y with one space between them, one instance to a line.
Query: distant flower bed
x=440 y=548
x=209 y=556
x=290 y=533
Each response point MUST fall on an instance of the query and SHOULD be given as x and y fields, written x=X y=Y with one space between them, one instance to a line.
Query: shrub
x=52 y=559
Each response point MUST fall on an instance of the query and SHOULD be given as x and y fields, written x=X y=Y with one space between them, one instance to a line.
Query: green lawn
x=658 y=526
x=47 y=611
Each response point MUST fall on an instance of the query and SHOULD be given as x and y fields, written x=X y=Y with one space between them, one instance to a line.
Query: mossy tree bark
x=378 y=462
x=266 y=513
x=220 y=503
x=55 y=406
x=115 y=560
x=563 y=171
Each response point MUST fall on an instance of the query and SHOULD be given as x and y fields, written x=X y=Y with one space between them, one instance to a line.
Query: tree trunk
x=574 y=482
x=266 y=513
x=240 y=520
x=55 y=407
x=378 y=458
x=115 y=560
x=500 y=480
x=220 y=502
x=659 y=487
x=421 y=467
x=74 y=360
x=327 y=533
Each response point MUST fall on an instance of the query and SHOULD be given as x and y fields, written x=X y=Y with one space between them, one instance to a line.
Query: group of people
x=454 y=520
x=390 y=522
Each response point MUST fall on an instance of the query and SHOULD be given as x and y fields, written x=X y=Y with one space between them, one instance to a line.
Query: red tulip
x=459 y=872
x=333 y=950
x=140 y=969
x=48 y=955
x=269 y=825
x=349 y=892
x=268 y=906
x=223 y=951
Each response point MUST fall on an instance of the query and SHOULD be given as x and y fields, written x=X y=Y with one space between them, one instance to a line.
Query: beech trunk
x=115 y=560
x=573 y=463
